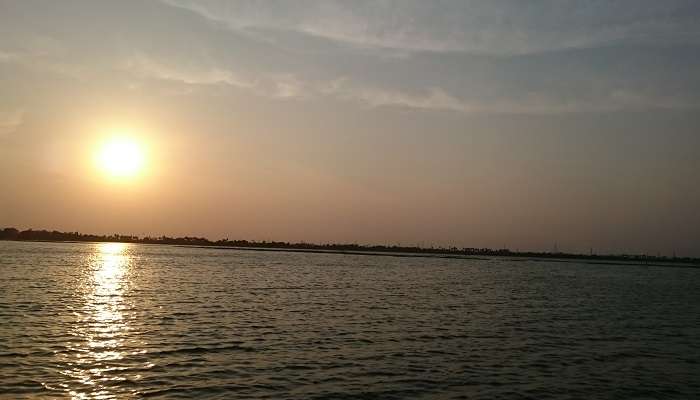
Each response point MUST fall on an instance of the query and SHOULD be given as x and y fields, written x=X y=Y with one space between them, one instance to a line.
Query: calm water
x=122 y=321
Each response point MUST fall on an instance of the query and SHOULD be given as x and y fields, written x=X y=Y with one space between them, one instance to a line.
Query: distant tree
x=9 y=234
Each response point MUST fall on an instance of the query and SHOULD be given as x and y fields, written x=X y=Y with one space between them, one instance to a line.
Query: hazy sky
x=468 y=123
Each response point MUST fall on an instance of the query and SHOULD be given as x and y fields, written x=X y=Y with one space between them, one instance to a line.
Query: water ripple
x=104 y=321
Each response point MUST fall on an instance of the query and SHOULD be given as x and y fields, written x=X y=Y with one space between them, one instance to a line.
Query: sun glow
x=121 y=157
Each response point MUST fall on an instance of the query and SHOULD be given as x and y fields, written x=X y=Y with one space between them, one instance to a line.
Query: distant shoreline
x=13 y=234
x=515 y=258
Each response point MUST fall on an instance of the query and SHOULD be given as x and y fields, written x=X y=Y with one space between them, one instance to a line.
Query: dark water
x=123 y=321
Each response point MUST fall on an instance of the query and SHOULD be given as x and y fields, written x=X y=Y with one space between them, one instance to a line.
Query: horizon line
x=30 y=234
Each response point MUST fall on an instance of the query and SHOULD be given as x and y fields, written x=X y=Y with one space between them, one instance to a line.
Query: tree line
x=57 y=236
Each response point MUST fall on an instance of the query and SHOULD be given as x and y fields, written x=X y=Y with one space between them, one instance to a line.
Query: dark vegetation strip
x=353 y=249
x=513 y=257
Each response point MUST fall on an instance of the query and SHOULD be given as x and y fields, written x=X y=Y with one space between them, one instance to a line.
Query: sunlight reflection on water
x=103 y=325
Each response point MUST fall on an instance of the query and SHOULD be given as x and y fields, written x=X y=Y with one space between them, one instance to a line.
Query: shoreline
x=516 y=257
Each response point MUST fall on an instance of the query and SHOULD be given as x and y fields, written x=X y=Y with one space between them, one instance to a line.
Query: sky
x=452 y=123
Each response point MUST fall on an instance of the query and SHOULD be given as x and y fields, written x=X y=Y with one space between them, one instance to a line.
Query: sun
x=121 y=157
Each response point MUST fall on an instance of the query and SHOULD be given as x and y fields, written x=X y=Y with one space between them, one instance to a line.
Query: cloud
x=10 y=120
x=288 y=86
x=145 y=66
x=460 y=56
x=281 y=86
x=501 y=28
x=434 y=99
x=42 y=53
x=542 y=103
x=6 y=56
x=598 y=97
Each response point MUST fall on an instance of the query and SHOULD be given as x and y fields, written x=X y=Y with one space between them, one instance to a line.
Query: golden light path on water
x=103 y=324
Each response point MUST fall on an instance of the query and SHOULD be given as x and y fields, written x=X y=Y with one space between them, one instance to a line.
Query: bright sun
x=121 y=157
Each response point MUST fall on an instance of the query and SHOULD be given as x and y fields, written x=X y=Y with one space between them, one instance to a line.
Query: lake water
x=122 y=321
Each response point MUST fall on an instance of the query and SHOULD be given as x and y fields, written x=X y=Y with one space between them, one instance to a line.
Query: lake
x=83 y=320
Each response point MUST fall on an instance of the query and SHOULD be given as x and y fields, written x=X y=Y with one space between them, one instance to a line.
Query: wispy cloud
x=312 y=51
x=282 y=86
x=504 y=27
x=287 y=86
x=194 y=75
x=6 y=56
x=438 y=99
x=432 y=98
x=10 y=120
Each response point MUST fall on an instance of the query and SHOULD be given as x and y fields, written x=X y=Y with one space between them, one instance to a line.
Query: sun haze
x=120 y=157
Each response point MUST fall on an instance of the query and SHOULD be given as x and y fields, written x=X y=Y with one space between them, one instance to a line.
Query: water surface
x=106 y=321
